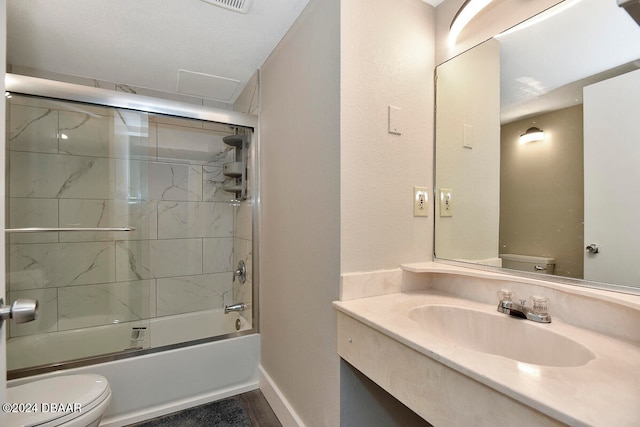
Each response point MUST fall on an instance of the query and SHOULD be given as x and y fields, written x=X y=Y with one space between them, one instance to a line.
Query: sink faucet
x=536 y=313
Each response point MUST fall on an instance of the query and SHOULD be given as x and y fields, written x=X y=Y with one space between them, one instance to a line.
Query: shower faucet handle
x=21 y=311
x=241 y=272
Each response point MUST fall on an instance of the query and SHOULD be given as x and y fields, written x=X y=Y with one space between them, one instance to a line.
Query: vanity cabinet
x=439 y=394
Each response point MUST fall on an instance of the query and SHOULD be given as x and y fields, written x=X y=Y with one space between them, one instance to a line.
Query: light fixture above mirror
x=465 y=14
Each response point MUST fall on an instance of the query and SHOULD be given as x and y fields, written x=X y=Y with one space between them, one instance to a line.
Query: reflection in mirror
x=536 y=206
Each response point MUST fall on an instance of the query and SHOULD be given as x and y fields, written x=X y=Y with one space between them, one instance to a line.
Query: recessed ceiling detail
x=207 y=85
x=241 y=6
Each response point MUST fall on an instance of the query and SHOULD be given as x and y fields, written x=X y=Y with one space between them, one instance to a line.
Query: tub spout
x=235 y=307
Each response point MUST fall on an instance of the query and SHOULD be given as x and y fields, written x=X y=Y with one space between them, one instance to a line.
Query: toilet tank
x=534 y=264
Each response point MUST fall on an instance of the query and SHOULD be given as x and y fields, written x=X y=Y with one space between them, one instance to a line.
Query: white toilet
x=65 y=401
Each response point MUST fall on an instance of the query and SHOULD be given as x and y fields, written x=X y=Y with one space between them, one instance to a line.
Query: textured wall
x=300 y=221
x=336 y=187
x=386 y=59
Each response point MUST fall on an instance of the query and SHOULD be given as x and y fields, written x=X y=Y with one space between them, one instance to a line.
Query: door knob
x=592 y=248
x=21 y=311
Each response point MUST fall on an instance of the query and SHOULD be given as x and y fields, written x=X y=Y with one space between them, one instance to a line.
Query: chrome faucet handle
x=505 y=295
x=240 y=273
x=540 y=305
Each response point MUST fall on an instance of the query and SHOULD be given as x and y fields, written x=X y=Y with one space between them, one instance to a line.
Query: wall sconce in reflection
x=632 y=7
x=532 y=134
x=467 y=11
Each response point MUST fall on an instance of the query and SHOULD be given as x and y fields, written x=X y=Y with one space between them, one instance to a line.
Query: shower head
x=632 y=7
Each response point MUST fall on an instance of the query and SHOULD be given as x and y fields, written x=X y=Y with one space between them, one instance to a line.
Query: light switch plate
x=420 y=201
x=394 y=120
x=467 y=137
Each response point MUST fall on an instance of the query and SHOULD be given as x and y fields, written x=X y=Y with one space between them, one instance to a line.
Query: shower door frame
x=33 y=86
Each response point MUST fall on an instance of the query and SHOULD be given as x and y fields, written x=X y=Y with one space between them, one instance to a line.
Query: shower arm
x=45 y=229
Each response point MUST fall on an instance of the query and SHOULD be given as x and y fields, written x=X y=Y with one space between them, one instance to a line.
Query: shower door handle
x=21 y=311
x=65 y=229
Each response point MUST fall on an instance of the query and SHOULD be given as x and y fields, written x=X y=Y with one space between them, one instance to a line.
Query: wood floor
x=258 y=409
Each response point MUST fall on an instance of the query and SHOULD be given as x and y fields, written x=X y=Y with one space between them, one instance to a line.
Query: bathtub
x=162 y=382
x=24 y=352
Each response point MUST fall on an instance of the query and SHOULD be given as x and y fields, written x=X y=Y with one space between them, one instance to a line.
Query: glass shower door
x=69 y=168
x=127 y=227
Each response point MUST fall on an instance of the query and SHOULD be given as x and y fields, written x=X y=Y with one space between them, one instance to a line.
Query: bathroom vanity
x=430 y=335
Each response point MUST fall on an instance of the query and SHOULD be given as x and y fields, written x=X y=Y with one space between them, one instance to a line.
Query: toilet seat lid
x=87 y=391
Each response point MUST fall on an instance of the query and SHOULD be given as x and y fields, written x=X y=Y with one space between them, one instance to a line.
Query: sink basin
x=502 y=335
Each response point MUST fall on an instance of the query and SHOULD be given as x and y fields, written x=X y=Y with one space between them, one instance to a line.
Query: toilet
x=534 y=264
x=65 y=401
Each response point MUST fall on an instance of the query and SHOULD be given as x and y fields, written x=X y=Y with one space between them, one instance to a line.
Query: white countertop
x=604 y=392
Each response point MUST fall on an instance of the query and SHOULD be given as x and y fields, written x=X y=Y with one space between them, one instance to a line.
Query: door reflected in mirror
x=536 y=141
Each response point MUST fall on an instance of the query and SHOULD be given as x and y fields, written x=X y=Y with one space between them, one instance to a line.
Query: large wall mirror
x=567 y=202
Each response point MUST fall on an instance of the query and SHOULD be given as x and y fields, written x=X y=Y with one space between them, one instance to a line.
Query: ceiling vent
x=241 y=6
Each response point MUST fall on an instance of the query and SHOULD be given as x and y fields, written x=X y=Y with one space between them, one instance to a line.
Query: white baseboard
x=280 y=405
x=175 y=406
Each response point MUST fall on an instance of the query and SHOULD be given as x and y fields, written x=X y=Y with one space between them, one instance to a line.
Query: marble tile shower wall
x=73 y=165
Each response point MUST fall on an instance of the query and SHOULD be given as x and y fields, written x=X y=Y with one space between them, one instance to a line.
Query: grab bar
x=45 y=229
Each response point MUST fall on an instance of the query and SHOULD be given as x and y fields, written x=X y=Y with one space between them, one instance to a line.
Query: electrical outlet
x=446 y=203
x=420 y=201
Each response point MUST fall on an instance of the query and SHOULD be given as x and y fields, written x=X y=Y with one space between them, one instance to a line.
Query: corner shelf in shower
x=238 y=169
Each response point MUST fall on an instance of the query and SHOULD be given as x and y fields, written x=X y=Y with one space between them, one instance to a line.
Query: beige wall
x=300 y=224
x=386 y=59
x=471 y=100
x=335 y=186
x=541 y=190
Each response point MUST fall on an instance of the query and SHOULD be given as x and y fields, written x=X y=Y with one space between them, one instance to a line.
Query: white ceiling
x=545 y=62
x=145 y=43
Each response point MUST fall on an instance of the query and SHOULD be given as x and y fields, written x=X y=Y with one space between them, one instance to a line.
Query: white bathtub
x=29 y=351
x=159 y=383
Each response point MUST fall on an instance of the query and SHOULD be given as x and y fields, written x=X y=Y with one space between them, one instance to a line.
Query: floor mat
x=223 y=413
